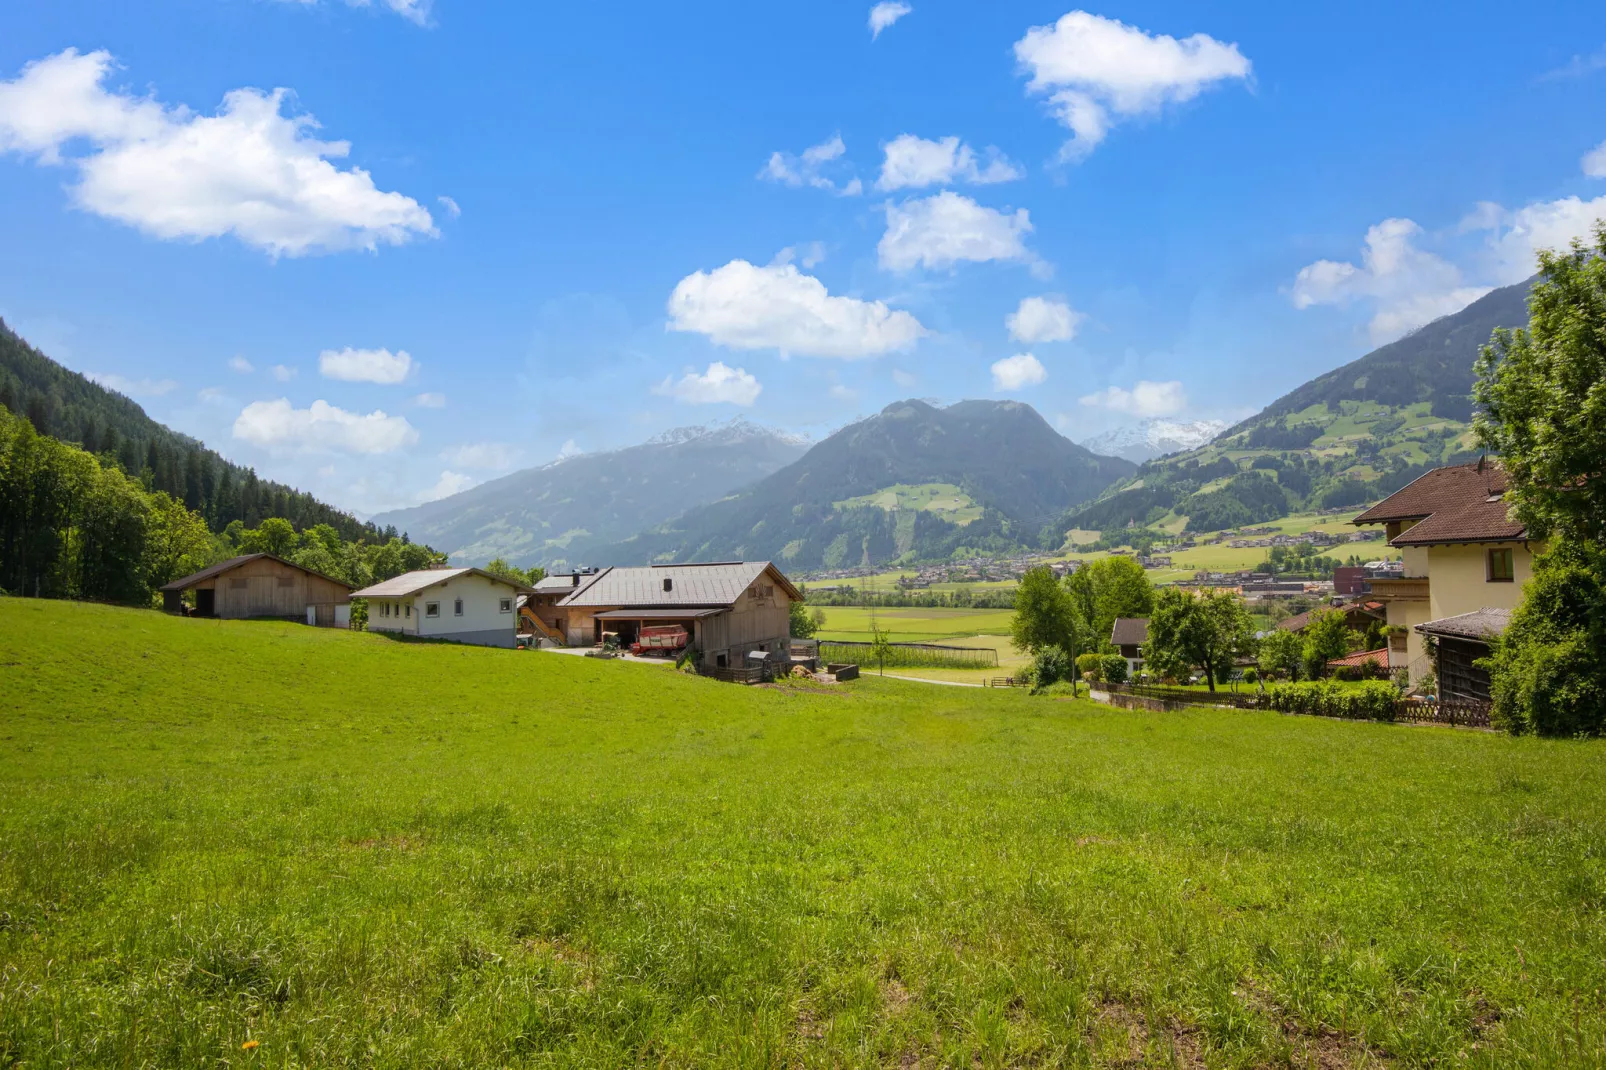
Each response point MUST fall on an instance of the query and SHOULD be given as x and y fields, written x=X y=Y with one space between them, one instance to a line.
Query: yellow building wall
x=1408 y=613
x=1458 y=578
x=1415 y=560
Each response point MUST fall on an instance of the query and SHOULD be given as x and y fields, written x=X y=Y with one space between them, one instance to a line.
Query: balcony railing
x=1406 y=589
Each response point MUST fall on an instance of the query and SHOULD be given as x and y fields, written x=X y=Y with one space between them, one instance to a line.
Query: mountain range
x=1154 y=438
x=561 y=513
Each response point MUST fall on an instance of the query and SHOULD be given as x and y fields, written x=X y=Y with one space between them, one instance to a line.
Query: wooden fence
x=1411 y=710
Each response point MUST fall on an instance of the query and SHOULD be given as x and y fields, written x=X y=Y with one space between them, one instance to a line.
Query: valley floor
x=240 y=844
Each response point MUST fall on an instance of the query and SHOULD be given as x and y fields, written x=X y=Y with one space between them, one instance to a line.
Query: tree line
x=65 y=405
x=74 y=525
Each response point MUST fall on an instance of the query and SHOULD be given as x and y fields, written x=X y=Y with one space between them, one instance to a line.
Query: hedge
x=1372 y=701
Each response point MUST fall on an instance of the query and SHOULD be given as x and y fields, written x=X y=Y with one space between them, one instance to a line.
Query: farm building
x=260 y=585
x=466 y=605
x=1128 y=636
x=730 y=609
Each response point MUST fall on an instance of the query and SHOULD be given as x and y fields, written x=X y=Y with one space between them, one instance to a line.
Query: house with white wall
x=1463 y=555
x=466 y=605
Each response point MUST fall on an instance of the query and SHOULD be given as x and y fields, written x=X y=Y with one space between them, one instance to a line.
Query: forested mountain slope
x=67 y=406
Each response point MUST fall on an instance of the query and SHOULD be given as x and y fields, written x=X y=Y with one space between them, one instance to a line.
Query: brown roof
x=235 y=562
x=1479 y=624
x=1458 y=503
x=718 y=584
x=1130 y=631
x=1298 y=621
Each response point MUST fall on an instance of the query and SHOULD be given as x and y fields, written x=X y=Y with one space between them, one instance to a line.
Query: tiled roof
x=235 y=562
x=1130 y=631
x=1458 y=503
x=1298 y=621
x=1361 y=657
x=689 y=585
x=1479 y=624
x=413 y=582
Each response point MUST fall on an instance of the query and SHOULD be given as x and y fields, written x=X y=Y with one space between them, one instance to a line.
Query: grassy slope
x=362 y=852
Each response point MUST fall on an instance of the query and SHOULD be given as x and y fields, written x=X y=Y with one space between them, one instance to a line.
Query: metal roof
x=1130 y=631
x=660 y=614
x=689 y=585
x=413 y=582
x=1479 y=624
x=212 y=571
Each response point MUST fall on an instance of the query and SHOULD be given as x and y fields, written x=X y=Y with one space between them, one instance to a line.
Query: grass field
x=349 y=851
x=957 y=627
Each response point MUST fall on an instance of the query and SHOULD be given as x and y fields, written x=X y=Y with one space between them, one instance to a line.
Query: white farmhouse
x=467 y=605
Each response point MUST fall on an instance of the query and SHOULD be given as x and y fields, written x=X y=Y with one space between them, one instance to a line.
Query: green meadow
x=258 y=844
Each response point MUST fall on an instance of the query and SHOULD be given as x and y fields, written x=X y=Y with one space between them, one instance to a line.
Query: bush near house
x=1371 y=701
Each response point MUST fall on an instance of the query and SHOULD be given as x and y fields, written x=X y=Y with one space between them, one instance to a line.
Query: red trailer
x=666 y=639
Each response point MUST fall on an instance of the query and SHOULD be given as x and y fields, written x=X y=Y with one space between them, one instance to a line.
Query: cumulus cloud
x=448 y=484
x=741 y=306
x=1408 y=285
x=496 y=456
x=913 y=163
x=885 y=14
x=1098 y=71
x=241 y=365
x=365 y=365
x=322 y=427
x=249 y=170
x=1043 y=319
x=720 y=384
x=1145 y=399
x=134 y=388
x=1021 y=370
x=811 y=168
x=941 y=230
x=430 y=401
x=1594 y=161
x=1517 y=236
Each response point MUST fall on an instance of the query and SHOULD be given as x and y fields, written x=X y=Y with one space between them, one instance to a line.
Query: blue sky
x=584 y=224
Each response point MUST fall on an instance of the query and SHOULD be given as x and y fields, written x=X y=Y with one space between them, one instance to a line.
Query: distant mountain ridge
x=1154 y=438
x=559 y=514
x=1349 y=436
x=1001 y=455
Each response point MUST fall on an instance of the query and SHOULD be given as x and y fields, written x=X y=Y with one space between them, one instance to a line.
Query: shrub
x=1349 y=673
x=1373 y=701
x=1050 y=667
x=1250 y=676
x=1113 y=668
x=1089 y=665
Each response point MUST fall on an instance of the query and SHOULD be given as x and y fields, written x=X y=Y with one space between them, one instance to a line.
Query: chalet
x=1129 y=634
x=1462 y=554
x=730 y=609
x=260 y=585
x=466 y=605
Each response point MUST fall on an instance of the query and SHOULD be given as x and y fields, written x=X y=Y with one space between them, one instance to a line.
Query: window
x=505 y=605
x=457 y=608
x=384 y=609
x=1502 y=569
x=409 y=609
x=432 y=609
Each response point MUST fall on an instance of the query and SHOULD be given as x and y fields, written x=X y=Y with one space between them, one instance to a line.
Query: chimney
x=576 y=579
x=669 y=584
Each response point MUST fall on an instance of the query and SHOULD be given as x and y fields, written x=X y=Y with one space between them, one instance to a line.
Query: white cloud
x=451 y=206
x=944 y=229
x=284 y=373
x=134 y=388
x=248 y=171
x=1410 y=287
x=569 y=449
x=809 y=169
x=719 y=384
x=415 y=11
x=1518 y=236
x=1021 y=370
x=1043 y=319
x=496 y=456
x=913 y=163
x=885 y=14
x=430 y=401
x=1097 y=71
x=778 y=307
x=365 y=365
x=448 y=484
x=1594 y=161
x=322 y=427
x=903 y=378
x=808 y=255
x=210 y=394
x=843 y=393
x=1145 y=399
x=241 y=365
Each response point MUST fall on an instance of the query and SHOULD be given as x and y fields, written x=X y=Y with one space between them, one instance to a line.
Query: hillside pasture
x=259 y=844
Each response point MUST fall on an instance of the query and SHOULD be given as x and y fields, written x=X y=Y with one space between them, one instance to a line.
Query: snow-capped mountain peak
x=1154 y=438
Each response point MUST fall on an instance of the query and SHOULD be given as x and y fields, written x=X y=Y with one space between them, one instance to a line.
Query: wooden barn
x=260 y=585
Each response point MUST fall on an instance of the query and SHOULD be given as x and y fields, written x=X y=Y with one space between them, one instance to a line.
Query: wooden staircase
x=541 y=626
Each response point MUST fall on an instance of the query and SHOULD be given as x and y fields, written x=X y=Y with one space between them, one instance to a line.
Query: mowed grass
x=359 y=852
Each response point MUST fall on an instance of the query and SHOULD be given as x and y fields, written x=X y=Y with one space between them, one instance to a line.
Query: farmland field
x=259 y=844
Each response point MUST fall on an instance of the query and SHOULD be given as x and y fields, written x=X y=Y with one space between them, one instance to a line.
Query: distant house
x=1359 y=659
x=730 y=609
x=1462 y=554
x=1462 y=640
x=260 y=585
x=466 y=605
x=1129 y=634
x=1360 y=615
